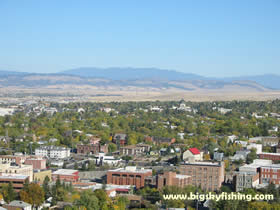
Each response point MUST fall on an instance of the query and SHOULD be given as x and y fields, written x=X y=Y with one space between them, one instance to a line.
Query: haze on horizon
x=216 y=38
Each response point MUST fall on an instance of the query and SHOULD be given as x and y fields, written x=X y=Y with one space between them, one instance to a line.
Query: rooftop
x=19 y=204
x=132 y=169
x=65 y=172
x=13 y=176
x=194 y=151
x=198 y=163
x=269 y=153
x=271 y=166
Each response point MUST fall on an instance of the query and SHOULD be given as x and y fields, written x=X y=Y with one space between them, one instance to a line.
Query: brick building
x=129 y=175
x=90 y=149
x=207 y=175
x=160 y=140
x=66 y=175
x=120 y=139
x=17 y=180
x=270 y=156
x=170 y=178
x=12 y=159
x=37 y=163
x=270 y=174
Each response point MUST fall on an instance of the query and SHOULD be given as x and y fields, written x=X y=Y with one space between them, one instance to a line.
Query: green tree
x=46 y=187
x=8 y=192
x=88 y=200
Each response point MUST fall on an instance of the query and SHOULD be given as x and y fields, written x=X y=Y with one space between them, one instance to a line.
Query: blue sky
x=210 y=38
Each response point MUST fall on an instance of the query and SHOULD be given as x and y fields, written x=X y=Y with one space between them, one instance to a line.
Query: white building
x=193 y=154
x=26 y=170
x=101 y=159
x=258 y=147
x=53 y=152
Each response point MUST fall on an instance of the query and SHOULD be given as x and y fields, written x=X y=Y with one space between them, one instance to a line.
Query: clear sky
x=206 y=37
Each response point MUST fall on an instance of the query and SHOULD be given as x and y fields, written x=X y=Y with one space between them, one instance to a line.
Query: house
x=181 y=135
x=193 y=154
x=218 y=156
x=120 y=139
x=161 y=140
x=18 y=205
x=240 y=155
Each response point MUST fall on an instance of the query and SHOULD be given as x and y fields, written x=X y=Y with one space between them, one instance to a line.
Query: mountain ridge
x=136 y=76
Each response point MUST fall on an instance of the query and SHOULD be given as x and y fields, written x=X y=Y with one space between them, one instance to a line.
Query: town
x=127 y=155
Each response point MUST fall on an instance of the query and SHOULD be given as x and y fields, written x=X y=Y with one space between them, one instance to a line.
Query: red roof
x=195 y=151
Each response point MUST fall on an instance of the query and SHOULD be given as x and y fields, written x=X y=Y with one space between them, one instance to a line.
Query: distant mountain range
x=138 y=77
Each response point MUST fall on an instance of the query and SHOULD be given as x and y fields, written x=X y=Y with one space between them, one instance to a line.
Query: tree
x=46 y=187
x=122 y=203
x=132 y=139
x=102 y=196
x=252 y=156
x=112 y=147
x=88 y=200
x=8 y=192
x=34 y=195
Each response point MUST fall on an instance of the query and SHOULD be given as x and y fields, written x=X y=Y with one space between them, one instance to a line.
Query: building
x=12 y=159
x=17 y=180
x=255 y=166
x=102 y=159
x=240 y=155
x=161 y=140
x=135 y=149
x=207 y=175
x=258 y=147
x=245 y=180
x=53 y=152
x=270 y=174
x=193 y=154
x=66 y=175
x=218 y=156
x=269 y=156
x=91 y=149
x=265 y=140
x=37 y=163
x=17 y=169
x=120 y=139
x=248 y=175
x=170 y=178
x=39 y=176
x=18 y=205
x=129 y=175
